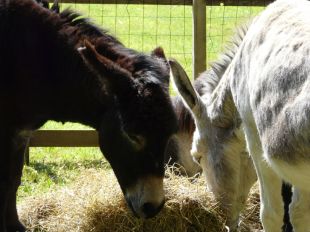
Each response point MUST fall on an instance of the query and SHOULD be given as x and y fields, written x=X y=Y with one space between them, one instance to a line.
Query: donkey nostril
x=148 y=209
x=151 y=210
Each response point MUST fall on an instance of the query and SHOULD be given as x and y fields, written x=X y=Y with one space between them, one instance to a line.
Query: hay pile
x=95 y=203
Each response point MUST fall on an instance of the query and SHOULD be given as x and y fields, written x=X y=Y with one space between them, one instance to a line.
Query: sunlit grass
x=53 y=167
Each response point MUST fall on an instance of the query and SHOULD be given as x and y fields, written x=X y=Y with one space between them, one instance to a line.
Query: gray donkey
x=230 y=174
x=262 y=100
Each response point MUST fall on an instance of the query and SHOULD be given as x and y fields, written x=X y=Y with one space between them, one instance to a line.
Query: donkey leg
x=3 y=203
x=12 y=221
x=11 y=163
x=270 y=184
x=272 y=210
x=4 y=177
x=16 y=160
x=300 y=210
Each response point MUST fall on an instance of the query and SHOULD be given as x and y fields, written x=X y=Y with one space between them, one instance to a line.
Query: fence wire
x=223 y=21
x=144 y=27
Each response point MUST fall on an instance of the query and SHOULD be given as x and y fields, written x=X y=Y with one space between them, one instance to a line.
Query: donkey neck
x=48 y=78
x=221 y=108
x=215 y=86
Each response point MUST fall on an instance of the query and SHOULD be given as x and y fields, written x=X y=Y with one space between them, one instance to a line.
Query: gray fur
x=223 y=157
x=266 y=89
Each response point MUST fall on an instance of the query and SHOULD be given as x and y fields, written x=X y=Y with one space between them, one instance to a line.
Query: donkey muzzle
x=146 y=197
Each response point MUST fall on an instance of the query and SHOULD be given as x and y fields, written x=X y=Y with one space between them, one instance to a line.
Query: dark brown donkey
x=62 y=67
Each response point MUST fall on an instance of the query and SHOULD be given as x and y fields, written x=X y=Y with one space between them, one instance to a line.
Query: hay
x=95 y=203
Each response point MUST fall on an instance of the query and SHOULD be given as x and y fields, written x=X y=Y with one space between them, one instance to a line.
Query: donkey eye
x=196 y=157
x=137 y=141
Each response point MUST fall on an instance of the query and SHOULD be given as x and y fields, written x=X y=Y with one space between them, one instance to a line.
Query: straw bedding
x=95 y=203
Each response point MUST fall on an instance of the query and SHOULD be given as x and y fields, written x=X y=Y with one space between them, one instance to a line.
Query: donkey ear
x=116 y=76
x=184 y=85
x=55 y=7
x=159 y=53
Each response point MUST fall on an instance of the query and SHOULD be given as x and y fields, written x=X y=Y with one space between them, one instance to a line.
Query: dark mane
x=62 y=67
x=74 y=28
x=84 y=25
x=109 y=46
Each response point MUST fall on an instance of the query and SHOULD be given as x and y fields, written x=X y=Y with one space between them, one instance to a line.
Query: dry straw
x=95 y=203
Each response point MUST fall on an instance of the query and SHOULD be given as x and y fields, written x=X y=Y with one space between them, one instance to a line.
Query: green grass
x=51 y=168
x=142 y=28
x=146 y=27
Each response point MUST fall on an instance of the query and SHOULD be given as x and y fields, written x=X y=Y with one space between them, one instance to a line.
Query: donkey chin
x=146 y=198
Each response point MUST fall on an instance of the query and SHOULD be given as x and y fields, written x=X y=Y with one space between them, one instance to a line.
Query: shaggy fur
x=60 y=66
x=266 y=87
x=231 y=174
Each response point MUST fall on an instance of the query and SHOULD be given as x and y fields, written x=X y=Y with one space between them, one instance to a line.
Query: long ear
x=184 y=85
x=55 y=7
x=159 y=54
x=117 y=77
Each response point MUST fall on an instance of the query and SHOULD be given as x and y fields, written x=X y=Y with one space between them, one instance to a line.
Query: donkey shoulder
x=273 y=65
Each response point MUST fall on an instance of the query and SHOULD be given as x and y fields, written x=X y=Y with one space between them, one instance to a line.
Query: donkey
x=204 y=86
x=263 y=95
x=62 y=67
x=230 y=175
x=179 y=145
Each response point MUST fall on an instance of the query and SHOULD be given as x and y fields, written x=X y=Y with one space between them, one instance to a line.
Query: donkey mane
x=208 y=80
x=84 y=25
x=73 y=24
x=219 y=66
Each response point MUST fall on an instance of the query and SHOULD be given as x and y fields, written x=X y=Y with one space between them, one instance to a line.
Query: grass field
x=142 y=28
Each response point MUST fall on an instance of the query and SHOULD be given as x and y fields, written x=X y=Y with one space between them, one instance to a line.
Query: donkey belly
x=285 y=137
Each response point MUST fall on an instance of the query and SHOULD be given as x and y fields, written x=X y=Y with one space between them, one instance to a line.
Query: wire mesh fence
x=145 y=26
x=222 y=22
x=166 y=23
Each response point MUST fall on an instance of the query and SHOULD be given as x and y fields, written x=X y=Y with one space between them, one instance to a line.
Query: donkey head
x=215 y=140
x=198 y=109
x=136 y=126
